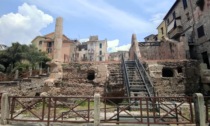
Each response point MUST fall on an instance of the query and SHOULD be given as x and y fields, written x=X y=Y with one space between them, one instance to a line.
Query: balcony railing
x=175 y=32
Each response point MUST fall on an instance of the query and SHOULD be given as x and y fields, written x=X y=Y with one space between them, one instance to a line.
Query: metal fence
x=120 y=110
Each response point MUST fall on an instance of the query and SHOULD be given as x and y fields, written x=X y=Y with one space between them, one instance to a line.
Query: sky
x=115 y=20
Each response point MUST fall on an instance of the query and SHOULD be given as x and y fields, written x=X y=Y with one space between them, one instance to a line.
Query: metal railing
x=51 y=109
x=172 y=110
x=125 y=75
x=207 y=104
x=148 y=82
x=149 y=43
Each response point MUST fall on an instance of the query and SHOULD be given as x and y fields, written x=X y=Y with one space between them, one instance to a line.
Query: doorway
x=206 y=59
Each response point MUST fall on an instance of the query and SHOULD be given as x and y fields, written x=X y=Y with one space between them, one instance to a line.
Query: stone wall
x=183 y=81
x=84 y=79
x=163 y=50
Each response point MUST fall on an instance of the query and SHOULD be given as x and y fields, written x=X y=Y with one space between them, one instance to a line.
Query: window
x=40 y=42
x=49 y=44
x=188 y=16
x=162 y=30
x=184 y=3
x=100 y=52
x=100 y=58
x=168 y=21
x=200 y=31
x=100 y=45
x=174 y=15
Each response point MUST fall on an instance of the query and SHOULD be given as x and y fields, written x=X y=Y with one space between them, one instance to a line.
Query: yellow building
x=161 y=31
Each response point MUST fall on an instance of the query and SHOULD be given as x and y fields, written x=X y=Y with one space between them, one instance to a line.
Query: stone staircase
x=136 y=86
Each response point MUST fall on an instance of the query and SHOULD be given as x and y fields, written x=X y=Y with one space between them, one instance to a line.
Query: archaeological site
x=164 y=80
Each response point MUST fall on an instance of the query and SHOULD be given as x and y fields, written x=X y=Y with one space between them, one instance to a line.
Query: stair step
x=136 y=81
x=140 y=90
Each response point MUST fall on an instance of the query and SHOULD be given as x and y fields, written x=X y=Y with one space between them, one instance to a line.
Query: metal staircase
x=136 y=79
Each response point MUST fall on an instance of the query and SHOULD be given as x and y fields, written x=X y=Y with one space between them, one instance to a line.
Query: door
x=206 y=59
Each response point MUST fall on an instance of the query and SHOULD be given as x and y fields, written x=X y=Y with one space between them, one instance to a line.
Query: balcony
x=175 y=32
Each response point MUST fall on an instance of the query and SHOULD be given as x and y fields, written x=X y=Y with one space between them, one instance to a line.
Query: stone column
x=200 y=113
x=30 y=72
x=57 y=54
x=97 y=110
x=40 y=71
x=4 y=108
x=48 y=70
x=135 y=46
x=16 y=74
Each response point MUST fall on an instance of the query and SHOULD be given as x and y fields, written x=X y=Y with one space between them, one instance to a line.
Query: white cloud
x=24 y=25
x=157 y=18
x=84 y=40
x=109 y=15
x=113 y=46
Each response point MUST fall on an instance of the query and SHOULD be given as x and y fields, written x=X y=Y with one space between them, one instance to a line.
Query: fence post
x=199 y=109
x=40 y=71
x=97 y=110
x=48 y=70
x=4 y=109
x=30 y=72
x=16 y=74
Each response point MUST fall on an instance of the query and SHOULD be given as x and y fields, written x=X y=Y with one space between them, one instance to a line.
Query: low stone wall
x=184 y=78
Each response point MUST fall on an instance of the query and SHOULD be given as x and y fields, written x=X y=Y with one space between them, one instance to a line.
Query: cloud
x=24 y=25
x=101 y=11
x=113 y=46
x=84 y=40
x=157 y=18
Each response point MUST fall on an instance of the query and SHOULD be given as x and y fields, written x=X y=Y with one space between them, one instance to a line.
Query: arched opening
x=167 y=72
x=37 y=94
x=91 y=75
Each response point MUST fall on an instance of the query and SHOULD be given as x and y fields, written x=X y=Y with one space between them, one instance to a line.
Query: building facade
x=46 y=44
x=202 y=31
x=161 y=31
x=92 y=50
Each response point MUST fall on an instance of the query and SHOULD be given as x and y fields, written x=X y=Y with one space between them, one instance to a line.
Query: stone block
x=206 y=72
x=205 y=80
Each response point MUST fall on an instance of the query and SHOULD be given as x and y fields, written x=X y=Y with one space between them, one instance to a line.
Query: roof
x=150 y=36
x=174 y=5
x=50 y=37
x=160 y=24
x=3 y=47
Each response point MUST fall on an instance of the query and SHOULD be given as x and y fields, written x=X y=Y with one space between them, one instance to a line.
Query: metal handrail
x=126 y=81
x=145 y=77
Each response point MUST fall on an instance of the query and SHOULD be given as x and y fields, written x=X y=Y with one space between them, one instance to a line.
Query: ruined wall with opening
x=174 y=78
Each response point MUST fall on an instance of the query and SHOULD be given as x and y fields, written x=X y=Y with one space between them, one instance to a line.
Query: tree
x=21 y=56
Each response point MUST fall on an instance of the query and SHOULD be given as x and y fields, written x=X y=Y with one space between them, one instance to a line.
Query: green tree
x=21 y=57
